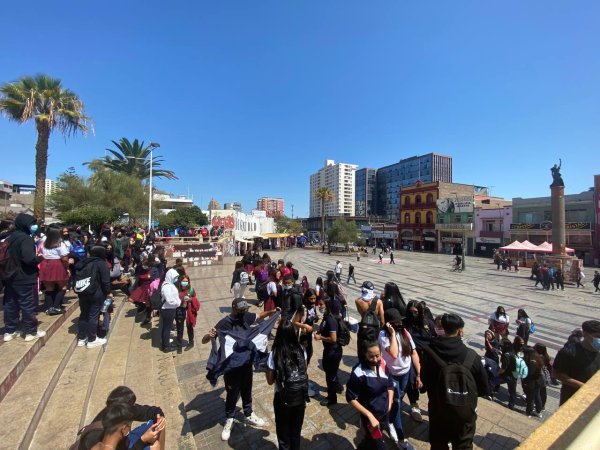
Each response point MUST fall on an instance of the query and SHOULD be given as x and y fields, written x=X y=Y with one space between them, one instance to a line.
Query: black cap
x=240 y=304
x=368 y=285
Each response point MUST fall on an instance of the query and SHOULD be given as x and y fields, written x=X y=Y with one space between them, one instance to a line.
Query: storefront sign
x=455 y=205
x=451 y=240
x=430 y=239
x=454 y=226
x=486 y=240
x=384 y=234
x=547 y=225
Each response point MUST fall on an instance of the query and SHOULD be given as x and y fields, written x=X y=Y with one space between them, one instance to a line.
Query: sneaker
x=96 y=342
x=253 y=419
x=405 y=445
x=327 y=402
x=33 y=337
x=311 y=392
x=227 y=429
x=393 y=434
x=10 y=336
x=81 y=342
x=415 y=413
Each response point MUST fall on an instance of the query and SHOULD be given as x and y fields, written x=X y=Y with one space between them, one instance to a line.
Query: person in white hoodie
x=170 y=302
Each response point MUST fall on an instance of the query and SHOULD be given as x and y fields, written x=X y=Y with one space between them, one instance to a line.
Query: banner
x=452 y=205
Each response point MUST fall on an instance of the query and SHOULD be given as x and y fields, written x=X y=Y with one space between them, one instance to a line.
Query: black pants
x=167 y=316
x=332 y=355
x=532 y=390
x=180 y=315
x=368 y=443
x=288 y=424
x=238 y=382
x=89 y=307
x=443 y=430
x=20 y=300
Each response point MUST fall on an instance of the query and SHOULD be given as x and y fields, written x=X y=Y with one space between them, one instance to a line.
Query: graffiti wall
x=196 y=253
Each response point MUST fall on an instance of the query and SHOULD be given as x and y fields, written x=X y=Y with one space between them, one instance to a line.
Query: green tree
x=188 y=217
x=324 y=195
x=343 y=232
x=133 y=158
x=284 y=224
x=43 y=99
x=94 y=216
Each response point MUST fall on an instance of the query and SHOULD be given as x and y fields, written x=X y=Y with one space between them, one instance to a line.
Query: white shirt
x=500 y=319
x=338 y=268
x=272 y=288
x=401 y=364
x=55 y=253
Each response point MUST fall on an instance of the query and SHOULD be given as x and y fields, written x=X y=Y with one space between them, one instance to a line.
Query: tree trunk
x=41 y=163
x=322 y=221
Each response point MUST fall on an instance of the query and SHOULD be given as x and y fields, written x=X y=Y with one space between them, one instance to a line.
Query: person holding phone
x=370 y=390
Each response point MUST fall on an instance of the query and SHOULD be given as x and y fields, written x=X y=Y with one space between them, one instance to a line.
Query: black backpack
x=83 y=434
x=295 y=274
x=456 y=389
x=343 y=332
x=293 y=384
x=9 y=266
x=261 y=292
x=86 y=277
x=370 y=318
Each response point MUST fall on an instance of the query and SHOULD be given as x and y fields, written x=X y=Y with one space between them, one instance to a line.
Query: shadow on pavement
x=492 y=440
x=206 y=404
x=335 y=441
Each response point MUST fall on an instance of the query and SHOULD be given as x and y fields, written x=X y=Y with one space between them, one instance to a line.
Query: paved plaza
x=72 y=383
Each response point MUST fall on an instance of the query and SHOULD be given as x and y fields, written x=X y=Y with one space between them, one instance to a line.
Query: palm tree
x=133 y=158
x=43 y=99
x=324 y=194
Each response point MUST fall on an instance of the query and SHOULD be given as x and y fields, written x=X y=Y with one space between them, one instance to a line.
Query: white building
x=339 y=178
x=169 y=202
x=50 y=187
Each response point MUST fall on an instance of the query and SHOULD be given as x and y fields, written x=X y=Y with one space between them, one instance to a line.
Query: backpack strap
x=469 y=359
x=372 y=305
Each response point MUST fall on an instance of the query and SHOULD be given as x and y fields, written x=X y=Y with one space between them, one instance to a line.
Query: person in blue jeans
x=400 y=355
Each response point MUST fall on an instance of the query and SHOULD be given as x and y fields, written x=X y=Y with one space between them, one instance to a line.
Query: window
x=418 y=217
x=429 y=217
x=407 y=217
x=407 y=201
x=429 y=199
x=418 y=199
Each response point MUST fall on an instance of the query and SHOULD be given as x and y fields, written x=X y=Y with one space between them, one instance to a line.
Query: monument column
x=558 y=220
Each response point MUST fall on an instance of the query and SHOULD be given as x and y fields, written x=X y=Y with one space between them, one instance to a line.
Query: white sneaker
x=10 y=336
x=96 y=343
x=253 y=419
x=81 y=342
x=227 y=429
x=393 y=434
x=415 y=413
x=33 y=337
x=405 y=445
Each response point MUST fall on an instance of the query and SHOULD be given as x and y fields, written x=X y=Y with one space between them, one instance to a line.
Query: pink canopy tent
x=546 y=247
x=531 y=247
x=515 y=246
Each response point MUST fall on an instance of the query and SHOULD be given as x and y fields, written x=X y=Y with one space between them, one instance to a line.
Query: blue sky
x=249 y=98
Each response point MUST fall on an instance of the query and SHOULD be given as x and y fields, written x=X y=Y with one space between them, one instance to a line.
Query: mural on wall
x=227 y=222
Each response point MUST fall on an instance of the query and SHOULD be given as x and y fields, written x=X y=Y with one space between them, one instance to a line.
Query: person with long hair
x=400 y=355
x=53 y=270
x=320 y=291
x=304 y=320
x=523 y=325
x=332 y=351
x=287 y=370
x=147 y=274
x=370 y=390
x=499 y=322
x=274 y=290
x=391 y=297
x=532 y=384
x=187 y=311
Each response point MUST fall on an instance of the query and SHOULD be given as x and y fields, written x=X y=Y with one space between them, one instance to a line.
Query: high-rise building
x=236 y=206
x=50 y=187
x=272 y=205
x=213 y=204
x=339 y=178
x=425 y=168
x=365 y=192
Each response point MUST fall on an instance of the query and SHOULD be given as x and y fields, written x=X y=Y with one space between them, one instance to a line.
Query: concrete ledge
x=572 y=426
x=11 y=377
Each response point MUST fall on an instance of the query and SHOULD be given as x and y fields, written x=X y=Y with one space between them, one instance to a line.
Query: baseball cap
x=240 y=303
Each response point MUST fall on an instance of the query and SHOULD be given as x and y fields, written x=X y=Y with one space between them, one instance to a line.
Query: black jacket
x=22 y=249
x=451 y=349
x=102 y=271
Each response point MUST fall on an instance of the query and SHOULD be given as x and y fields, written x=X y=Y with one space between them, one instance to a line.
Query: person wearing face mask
x=21 y=281
x=399 y=353
x=304 y=320
x=140 y=293
x=238 y=380
x=370 y=390
x=447 y=424
x=170 y=302
x=187 y=312
x=578 y=361
x=291 y=298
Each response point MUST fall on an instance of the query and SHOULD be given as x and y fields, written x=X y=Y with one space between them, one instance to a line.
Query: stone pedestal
x=558 y=220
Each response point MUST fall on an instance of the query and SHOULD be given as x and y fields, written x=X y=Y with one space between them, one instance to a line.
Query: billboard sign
x=453 y=205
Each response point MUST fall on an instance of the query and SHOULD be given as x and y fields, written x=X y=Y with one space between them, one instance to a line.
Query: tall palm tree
x=51 y=106
x=324 y=194
x=133 y=158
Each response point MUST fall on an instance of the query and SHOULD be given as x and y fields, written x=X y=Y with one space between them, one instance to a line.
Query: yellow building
x=418 y=212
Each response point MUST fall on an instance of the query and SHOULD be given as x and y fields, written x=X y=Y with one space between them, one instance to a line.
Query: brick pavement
x=473 y=294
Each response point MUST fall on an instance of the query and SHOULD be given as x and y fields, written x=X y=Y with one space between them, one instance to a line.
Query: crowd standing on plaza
x=403 y=348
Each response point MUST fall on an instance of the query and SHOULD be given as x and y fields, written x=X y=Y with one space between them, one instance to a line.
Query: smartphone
x=375 y=432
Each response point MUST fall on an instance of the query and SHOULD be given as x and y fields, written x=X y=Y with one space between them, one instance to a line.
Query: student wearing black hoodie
x=21 y=289
x=444 y=427
x=92 y=285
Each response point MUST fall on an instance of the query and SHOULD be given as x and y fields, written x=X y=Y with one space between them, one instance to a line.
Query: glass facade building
x=365 y=192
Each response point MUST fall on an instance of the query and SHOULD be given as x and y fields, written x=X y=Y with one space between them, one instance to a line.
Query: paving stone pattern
x=473 y=294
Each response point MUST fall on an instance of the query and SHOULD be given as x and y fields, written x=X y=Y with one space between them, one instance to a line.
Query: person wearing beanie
x=578 y=361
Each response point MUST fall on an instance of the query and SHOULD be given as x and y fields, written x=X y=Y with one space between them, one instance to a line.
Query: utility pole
x=292 y=211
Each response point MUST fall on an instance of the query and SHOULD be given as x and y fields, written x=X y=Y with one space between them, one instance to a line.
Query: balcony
x=491 y=234
x=417 y=225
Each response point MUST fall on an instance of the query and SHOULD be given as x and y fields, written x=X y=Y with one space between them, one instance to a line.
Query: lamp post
x=152 y=146
x=464 y=237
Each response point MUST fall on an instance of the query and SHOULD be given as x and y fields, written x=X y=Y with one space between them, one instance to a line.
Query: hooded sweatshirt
x=451 y=350
x=22 y=249
x=169 y=292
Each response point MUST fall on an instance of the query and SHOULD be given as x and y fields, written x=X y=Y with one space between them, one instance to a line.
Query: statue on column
x=556 y=177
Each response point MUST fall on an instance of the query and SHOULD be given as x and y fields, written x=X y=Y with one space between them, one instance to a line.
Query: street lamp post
x=152 y=146
x=464 y=236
